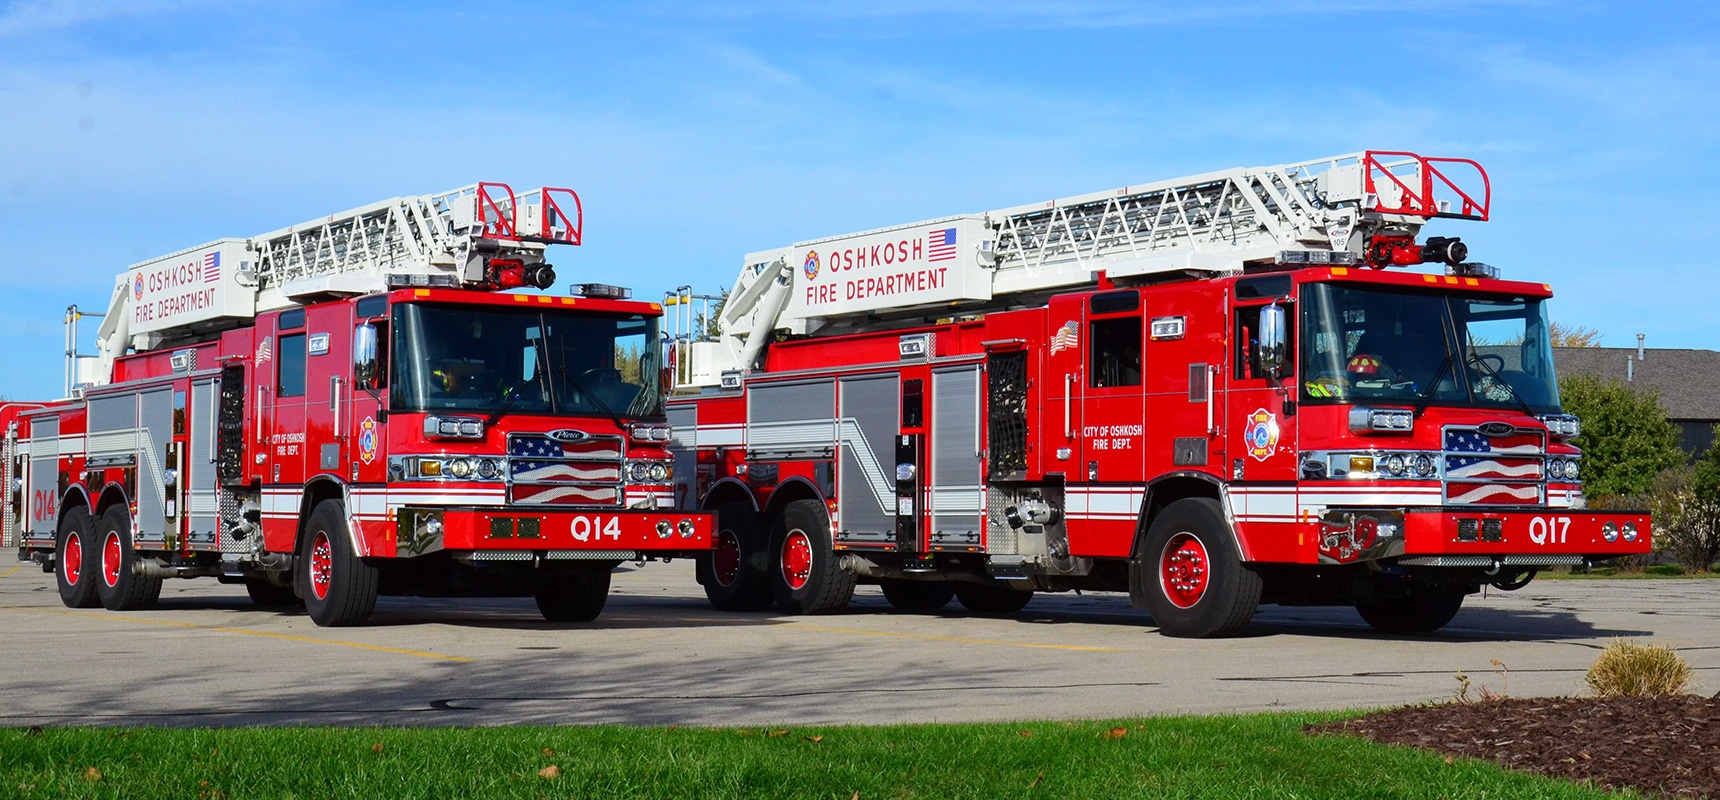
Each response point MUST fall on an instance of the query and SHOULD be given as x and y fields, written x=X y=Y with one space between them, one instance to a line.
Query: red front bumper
x=524 y=529
x=1476 y=531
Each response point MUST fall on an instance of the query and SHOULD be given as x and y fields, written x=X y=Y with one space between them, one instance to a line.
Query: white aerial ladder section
x=1360 y=208
x=478 y=236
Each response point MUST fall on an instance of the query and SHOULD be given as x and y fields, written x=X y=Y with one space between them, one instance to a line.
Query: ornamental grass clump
x=1628 y=669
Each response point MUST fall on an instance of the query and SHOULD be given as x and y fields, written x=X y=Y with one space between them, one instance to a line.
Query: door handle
x=1068 y=393
x=334 y=404
x=1211 y=389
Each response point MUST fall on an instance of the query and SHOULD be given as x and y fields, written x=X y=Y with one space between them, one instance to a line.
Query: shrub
x=1626 y=439
x=1628 y=669
x=1686 y=519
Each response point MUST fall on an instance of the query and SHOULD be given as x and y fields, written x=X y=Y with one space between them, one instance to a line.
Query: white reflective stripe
x=719 y=435
x=1103 y=502
x=112 y=442
x=70 y=445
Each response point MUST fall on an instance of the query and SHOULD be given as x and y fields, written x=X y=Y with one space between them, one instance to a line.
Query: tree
x=1562 y=335
x=1686 y=519
x=1707 y=477
x=1626 y=440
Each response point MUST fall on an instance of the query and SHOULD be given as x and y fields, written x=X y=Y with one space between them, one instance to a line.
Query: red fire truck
x=375 y=402
x=1209 y=392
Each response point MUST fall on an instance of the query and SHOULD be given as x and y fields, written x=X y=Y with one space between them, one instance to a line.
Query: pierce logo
x=810 y=266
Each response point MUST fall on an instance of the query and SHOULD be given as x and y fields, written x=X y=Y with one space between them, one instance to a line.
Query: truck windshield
x=1372 y=344
x=482 y=359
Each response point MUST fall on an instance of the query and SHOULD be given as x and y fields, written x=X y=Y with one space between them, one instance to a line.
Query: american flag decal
x=583 y=471
x=941 y=245
x=1067 y=337
x=1493 y=470
x=212 y=267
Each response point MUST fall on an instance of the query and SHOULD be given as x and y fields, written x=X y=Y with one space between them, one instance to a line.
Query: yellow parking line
x=246 y=632
x=10 y=571
x=1036 y=645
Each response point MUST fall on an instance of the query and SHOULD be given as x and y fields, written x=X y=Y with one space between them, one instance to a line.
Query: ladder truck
x=1210 y=392
x=370 y=403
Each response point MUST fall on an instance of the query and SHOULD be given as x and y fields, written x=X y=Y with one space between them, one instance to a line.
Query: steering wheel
x=600 y=375
x=1494 y=362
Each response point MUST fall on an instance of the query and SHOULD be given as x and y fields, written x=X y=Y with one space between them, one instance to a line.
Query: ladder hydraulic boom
x=1360 y=208
x=482 y=236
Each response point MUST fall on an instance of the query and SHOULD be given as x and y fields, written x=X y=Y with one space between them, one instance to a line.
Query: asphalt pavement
x=660 y=655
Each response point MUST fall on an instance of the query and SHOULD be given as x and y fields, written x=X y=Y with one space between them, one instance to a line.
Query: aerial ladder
x=482 y=236
x=1361 y=208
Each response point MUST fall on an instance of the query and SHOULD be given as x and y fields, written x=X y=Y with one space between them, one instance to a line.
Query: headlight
x=1609 y=532
x=639 y=472
x=659 y=472
x=1423 y=466
x=461 y=468
x=488 y=469
x=1395 y=464
x=1571 y=471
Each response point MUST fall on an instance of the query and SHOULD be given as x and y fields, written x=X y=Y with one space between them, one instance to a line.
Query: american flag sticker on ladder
x=212 y=267
x=941 y=245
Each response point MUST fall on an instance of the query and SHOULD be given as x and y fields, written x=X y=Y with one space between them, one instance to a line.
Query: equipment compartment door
x=201 y=506
x=957 y=494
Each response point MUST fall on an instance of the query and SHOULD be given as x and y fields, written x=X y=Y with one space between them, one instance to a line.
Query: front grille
x=1494 y=470
x=581 y=472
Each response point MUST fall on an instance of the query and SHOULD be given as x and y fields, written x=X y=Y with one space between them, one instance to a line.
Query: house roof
x=1688 y=380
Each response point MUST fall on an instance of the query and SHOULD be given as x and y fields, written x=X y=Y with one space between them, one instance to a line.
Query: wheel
x=267 y=595
x=734 y=571
x=806 y=578
x=991 y=598
x=74 y=570
x=1421 y=613
x=338 y=587
x=1199 y=585
x=572 y=595
x=916 y=595
x=120 y=588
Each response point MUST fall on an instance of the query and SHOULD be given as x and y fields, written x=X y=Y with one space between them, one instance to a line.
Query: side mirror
x=1274 y=344
x=364 y=360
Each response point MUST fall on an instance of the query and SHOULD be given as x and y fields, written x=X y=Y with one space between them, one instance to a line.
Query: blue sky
x=697 y=132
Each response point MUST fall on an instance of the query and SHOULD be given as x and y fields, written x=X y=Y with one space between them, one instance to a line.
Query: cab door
x=1260 y=408
x=1113 y=406
x=280 y=397
x=1065 y=375
x=328 y=389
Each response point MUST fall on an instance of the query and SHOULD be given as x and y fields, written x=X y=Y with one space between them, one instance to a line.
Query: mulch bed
x=1658 y=745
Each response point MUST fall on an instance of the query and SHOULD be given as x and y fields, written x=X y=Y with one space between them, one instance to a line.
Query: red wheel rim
x=1183 y=570
x=322 y=565
x=72 y=561
x=797 y=559
x=726 y=558
x=110 y=558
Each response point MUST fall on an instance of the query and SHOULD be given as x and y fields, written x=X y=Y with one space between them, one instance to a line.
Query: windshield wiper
x=1425 y=398
x=592 y=396
x=1500 y=381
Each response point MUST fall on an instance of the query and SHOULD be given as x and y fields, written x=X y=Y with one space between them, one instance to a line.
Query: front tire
x=74 y=568
x=735 y=572
x=120 y=588
x=1199 y=586
x=1421 y=613
x=338 y=587
x=805 y=577
x=907 y=595
x=572 y=595
x=991 y=598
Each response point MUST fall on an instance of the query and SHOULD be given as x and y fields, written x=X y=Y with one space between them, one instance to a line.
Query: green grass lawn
x=1191 y=757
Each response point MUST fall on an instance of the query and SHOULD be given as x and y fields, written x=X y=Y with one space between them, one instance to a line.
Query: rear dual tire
x=807 y=577
x=75 y=561
x=120 y=588
x=735 y=573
